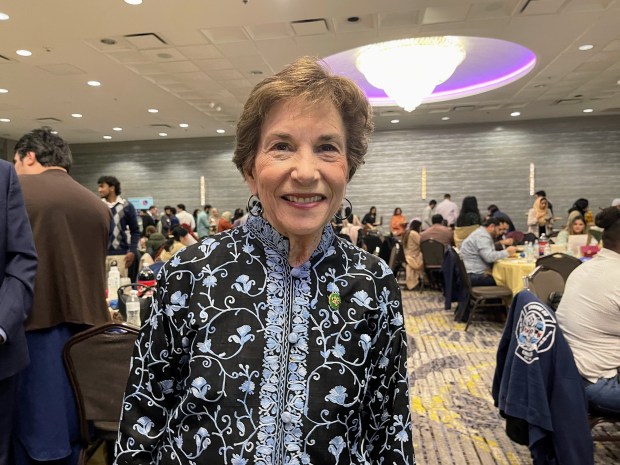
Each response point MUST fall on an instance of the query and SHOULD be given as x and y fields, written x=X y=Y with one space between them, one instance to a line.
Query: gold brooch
x=334 y=300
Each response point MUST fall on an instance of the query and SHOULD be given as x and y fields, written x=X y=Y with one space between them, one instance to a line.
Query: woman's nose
x=305 y=170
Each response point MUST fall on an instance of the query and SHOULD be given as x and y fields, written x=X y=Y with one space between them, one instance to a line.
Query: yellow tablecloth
x=509 y=272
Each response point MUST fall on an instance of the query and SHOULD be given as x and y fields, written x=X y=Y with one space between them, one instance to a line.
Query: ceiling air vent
x=464 y=108
x=568 y=101
x=49 y=120
x=310 y=27
x=145 y=40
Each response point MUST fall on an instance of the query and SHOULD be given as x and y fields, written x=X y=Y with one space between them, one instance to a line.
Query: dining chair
x=432 y=256
x=397 y=261
x=546 y=284
x=97 y=362
x=560 y=262
x=481 y=296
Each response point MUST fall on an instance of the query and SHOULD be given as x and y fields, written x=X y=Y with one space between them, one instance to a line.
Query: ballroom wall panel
x=577 y=157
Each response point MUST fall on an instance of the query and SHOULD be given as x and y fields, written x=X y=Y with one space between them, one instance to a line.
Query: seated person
x=223 y=223
x=478 y=252
x=351 y=225
x=438 y=231
x=398 y=225
x=178 y=241
x=370 y=219
x=413 y=255
x=576 y=227
x=589 y=315
x=469 y=215
x=495 y=212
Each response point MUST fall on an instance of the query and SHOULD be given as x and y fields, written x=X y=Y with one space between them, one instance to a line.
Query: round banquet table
x=509 y=272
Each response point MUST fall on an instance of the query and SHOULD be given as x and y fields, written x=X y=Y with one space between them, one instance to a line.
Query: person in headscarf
x=540 y=218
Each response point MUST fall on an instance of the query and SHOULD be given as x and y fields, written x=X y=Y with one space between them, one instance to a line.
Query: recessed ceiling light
x=218 y=108
x=5 y=120
x=515 y=113
x=163 y=134
x=23 y=53
x=117 y=129
x=220 y=131
x=94 y=83
x=76 y=115
x=133 y=2
x=54 y=132
x=4 y=16
x=183 y=125
x=445 y=118
x=588 y=110
x=394 y=121
x=153 y=110
x=3 y=91
x=586 y=47
x=107 y=137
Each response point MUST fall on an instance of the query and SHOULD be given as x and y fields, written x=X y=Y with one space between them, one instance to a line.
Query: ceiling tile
x=128 y=56
x=269 y=31
x=200 y=52
x=363 y=23
x=209 y=65
x=455 y=13
x=225 y=74
x=225 y=35
x=178 y=67
x=163 y=55
x=62 y=69
x=398 y=19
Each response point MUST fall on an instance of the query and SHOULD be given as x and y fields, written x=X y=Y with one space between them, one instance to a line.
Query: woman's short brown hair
x=307 y=80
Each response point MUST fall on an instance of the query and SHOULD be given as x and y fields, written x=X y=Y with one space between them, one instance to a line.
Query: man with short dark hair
x=185 y=217
x=427 y=214
x=448 y=209
x=124 y=223
x=438 y=232
x=478 y=252
x=70 y=227
x=202 y=228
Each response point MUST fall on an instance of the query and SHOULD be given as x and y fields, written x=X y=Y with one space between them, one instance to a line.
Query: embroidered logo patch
x=535 y=332
x=334 y=300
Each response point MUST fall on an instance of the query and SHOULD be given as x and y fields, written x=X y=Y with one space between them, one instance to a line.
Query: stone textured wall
x=576 y=157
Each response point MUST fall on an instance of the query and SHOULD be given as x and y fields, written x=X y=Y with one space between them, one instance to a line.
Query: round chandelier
x=408 y=70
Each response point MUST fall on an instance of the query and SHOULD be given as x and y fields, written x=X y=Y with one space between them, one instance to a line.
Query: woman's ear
x=251 y=181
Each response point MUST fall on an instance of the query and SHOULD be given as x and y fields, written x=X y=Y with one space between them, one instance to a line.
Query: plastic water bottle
x=536 y=249
x=133 y=308
x=114 y=281
x=528 y=251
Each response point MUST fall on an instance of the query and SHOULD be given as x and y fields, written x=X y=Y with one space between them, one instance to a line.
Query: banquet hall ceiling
x=196 y=61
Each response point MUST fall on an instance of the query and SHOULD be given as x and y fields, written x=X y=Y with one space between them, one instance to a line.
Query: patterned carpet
x=454 y=419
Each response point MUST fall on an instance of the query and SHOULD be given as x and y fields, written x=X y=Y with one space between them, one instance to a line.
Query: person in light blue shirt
x=479 y=254
x=203 y=223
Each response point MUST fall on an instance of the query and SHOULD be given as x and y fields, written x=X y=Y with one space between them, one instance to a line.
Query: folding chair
x=481 y=296
x=560 y=262
x=545 y=283
x=97 y=362
x=432 y=255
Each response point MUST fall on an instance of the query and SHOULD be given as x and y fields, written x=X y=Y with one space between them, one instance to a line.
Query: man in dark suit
x=18 y=266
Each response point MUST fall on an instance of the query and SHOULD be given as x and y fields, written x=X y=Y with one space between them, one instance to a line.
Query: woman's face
x=578 y=227
x=543 y=204
x=300 y=170
x=398 y=211
x=373 y=211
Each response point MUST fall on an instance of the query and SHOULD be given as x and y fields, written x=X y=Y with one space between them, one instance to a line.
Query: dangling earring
x=255 y=208
x=350 y=208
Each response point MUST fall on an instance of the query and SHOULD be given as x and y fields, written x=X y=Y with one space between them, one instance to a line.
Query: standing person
x=203 y=224
x=18 y=266
x=122 y=250
x=540 y=218
x=70 y=226
x=427 y=214
x=448 y=209
x=185 y=217
x=540 y=194
x=292 y=355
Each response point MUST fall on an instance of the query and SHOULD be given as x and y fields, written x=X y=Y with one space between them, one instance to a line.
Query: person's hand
x=129 y=258
x=511 y=250
x=507 y=241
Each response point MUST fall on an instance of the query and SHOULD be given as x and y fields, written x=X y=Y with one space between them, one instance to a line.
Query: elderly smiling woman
x=277 y=342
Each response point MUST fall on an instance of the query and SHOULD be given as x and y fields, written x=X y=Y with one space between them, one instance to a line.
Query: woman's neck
x=301 y=249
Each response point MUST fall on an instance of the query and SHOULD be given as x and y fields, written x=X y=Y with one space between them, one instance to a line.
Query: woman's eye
x=327 y=148
x=281 y=146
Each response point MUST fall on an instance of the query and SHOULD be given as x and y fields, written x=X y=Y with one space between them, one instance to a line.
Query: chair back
x=397 y=257
x=97 y=362
x=560 y=262
x=461 y=233
x=543 y=283
x=432 y=253
x=462 y=271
